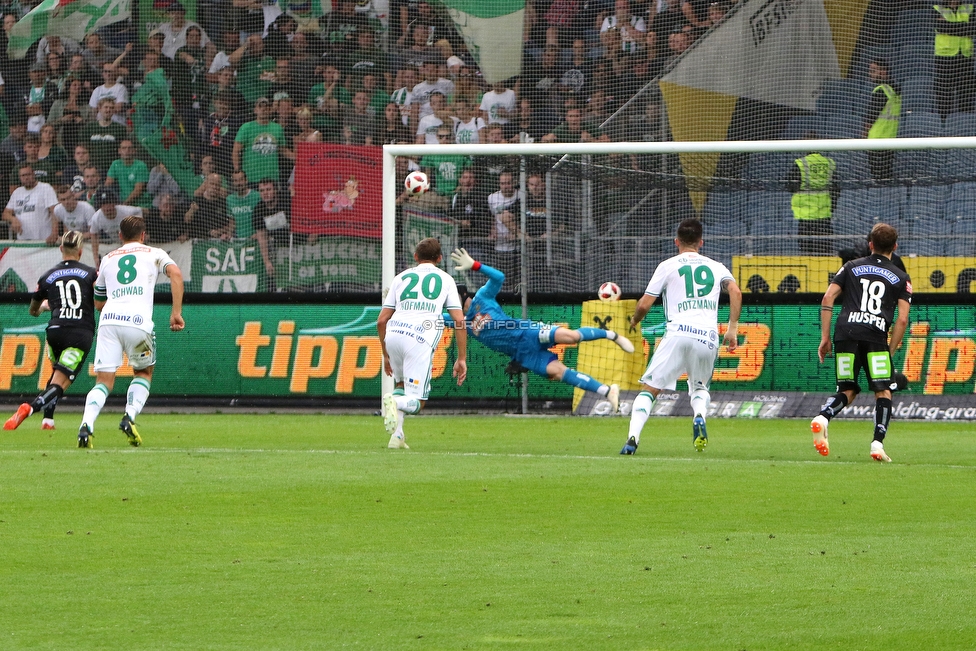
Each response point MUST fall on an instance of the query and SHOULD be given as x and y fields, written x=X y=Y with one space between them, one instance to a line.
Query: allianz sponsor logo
x=874 y=270
x=113 y=316
x=698 y=332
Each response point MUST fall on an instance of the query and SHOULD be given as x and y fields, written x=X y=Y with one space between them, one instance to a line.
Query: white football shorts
x=676 y=355
x=113 y=340
x=412 y=364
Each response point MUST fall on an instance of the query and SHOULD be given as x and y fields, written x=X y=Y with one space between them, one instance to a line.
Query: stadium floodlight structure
x=601 y=162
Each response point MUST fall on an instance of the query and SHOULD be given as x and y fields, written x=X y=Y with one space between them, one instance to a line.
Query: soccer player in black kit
x=68 y=291
x=872 y=287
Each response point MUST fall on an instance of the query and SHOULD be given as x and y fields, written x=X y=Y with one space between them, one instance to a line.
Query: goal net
x=561 y=219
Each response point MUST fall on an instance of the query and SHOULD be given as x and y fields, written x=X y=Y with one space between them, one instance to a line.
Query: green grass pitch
x=284 y=532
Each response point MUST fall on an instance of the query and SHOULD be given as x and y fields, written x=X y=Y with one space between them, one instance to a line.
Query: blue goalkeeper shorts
x=533 y=349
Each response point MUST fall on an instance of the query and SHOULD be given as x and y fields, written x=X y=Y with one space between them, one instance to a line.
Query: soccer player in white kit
x=124 y=296
x=689 y=285
x=410 y=326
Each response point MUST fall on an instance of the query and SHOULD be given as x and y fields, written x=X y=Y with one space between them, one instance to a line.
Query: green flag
x=70 y=18
x=157 y=128
x=492 y=30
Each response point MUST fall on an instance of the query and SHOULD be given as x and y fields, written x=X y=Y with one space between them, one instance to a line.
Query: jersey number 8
x=127 y=269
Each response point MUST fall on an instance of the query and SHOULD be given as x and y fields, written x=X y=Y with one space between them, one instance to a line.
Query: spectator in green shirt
x=445 y=169
x=575 y=130
x=255 y=70
x=258 y=145
x=240 y=205
x=131 y=175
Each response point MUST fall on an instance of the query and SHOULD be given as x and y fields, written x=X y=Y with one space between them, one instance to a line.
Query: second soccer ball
x=416 y=183
x=609 y=292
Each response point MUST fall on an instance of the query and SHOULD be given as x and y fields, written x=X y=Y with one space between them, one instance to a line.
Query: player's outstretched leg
x=136 y=398
x=591 y=334
x=819 y=424
x=583 y=381
x=44 y=400
x=640 y=411
x=93 y=406
x=699 y=405
x=395 y=406
x=22 y=413
x=48 y=421
x=882 y=415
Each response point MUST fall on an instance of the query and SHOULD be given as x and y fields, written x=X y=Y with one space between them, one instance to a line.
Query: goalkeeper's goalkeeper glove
x=463 y=261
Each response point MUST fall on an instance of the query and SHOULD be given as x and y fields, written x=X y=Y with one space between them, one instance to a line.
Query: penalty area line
x=488 y=455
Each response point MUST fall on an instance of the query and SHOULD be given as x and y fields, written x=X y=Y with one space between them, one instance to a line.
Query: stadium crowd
x=250 y=81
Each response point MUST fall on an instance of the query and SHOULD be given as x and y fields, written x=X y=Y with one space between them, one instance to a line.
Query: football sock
x=407 y=405
x=47 y=399
x=589 y=334
x=136 y=397
x=399 y=427
x=584 y=381
x=834 y=404
x=49 y=410
x=882 y=415
x=93 y=404
x=640 y=411
x=699 y=402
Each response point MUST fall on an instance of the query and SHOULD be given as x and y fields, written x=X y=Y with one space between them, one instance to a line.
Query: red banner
x=338 y=190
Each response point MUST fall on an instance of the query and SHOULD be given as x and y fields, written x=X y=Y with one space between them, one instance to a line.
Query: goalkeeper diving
x=527 y=342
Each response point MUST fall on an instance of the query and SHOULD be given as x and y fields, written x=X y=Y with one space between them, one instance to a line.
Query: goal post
x=626 y=198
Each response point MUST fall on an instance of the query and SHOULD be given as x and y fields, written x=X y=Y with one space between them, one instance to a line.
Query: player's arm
x=496 y=278
x=643 y=307
x=731 y=339
x=94 y=242
x=826 y=315
x=385 y=315
x=901 y=324
x=461 y=337
x=176 y=288
x=38 y=303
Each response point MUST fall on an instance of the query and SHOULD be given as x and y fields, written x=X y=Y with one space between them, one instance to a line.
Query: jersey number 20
x=430 y=286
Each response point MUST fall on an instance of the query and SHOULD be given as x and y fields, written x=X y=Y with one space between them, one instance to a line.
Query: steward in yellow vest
x=952 y=85
x=814 y=196
x=882 y=118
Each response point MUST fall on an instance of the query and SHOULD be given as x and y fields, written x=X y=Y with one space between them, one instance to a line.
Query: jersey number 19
x=700 y=280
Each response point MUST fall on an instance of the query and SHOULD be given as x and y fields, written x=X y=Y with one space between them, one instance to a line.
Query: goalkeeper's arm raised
x=496 y=278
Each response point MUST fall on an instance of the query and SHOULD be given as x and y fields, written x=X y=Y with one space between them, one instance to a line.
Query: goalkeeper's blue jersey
x=489 y=324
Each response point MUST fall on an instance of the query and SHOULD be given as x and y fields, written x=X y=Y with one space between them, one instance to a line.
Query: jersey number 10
x=70 y=299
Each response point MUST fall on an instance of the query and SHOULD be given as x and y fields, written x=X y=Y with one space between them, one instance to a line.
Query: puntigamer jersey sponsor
x=689 y=286
x=871 y=288
x=127 y=281
x=419 y=296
